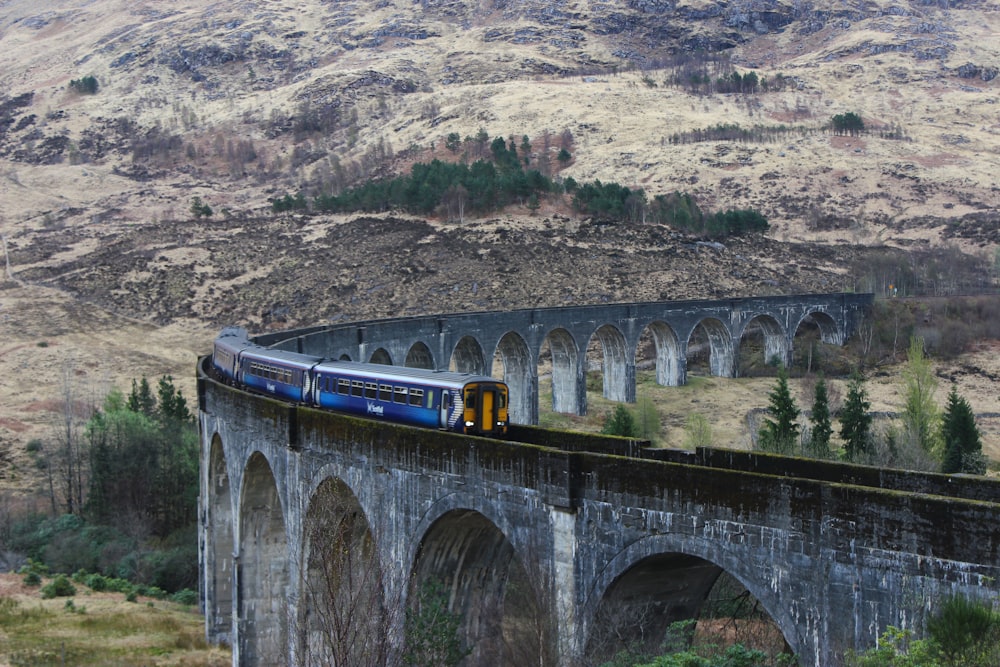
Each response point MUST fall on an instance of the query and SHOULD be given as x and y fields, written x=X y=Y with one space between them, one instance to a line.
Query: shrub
x=59 y=587
x=185 y=597
x=32 y=579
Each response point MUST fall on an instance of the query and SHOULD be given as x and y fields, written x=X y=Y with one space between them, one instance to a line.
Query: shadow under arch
x=263 y=585
x=468 y=357
x=614 y=362
x=381 y=356
x=518 y=373
x=471 y=562
x=419 y=356
x=566 y=394
x=343 y=619
x=666 y=353
x=829 y=330
x=654 y=583
x=766 y=334
x=219 y=520
x=720 y=343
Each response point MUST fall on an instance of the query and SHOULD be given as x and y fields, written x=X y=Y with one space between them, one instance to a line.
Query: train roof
x=281 y=357
x=400 y=373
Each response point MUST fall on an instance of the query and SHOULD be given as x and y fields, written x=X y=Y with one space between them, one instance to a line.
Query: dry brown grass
x=99 y=629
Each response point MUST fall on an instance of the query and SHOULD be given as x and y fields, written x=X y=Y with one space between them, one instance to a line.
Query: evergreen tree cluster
x=85 y=86
x=143 y=459
x=848 y=123
x=503 y=178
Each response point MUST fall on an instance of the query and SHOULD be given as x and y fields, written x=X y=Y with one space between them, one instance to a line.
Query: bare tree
x=346 y=622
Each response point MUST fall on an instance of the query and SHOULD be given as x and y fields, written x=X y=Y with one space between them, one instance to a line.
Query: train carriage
x=434 y=399
x=459 y=402
x=278 y=373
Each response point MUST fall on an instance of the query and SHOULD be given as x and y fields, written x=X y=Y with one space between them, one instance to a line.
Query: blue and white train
x=435 y=399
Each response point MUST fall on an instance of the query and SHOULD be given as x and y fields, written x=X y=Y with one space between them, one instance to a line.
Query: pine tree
x=781 y=433
x=855 y=422
x=620 y=422
x=819 y=441
x=141 y=399
x=962 y=445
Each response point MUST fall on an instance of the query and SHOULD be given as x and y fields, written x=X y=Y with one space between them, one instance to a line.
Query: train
x=459 y=402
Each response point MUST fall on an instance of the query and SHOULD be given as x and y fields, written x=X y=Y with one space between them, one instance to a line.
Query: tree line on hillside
x=454 y=189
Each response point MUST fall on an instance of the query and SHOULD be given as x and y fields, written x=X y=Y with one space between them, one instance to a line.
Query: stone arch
x=219 y=559
x=343 y=619
x=615 y=364
x=468 y=357
x=487 y=587
x=263 y=574
x=830 y=331
x=419 y=356
x=660 y=579
x=720 y=342
x=811 y=340
x=519 y=374
x=566 y=376
x=666 y=354
x=775 y=343
x=381 y=356
x=344 y=357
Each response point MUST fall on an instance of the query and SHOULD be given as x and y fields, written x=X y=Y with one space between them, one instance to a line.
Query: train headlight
x=470 y=423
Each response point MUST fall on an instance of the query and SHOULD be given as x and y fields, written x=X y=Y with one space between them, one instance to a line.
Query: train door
x=445 y=407
x=487 y=411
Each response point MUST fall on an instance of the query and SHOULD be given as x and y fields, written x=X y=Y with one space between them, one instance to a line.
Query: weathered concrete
x=540 y=549
x=475 y=342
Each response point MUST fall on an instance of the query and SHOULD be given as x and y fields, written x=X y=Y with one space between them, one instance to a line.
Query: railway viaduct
x=318 y=530
x=511 y=343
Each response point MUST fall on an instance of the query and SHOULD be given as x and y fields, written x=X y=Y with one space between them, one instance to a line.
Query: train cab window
x=371 y=390
x=417 y=397
x=343 y=387
x=501 y=398
x=399 y=395
x=470 y=398
x=357 y=388
x=385 y=392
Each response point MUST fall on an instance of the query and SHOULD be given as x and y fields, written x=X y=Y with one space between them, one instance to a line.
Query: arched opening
x=381 y=356
x=558 y=359
x=219 y=556
x=607 y=355
x=419 y=356
x=343 y=620
x=263 y=569
x=345 y=357
x=710 y=349
x=468 y=357
x=472 y=569
x=660 y=350
x=669 y=601
x=763 y=347
x=817 y=346
x=513 y=354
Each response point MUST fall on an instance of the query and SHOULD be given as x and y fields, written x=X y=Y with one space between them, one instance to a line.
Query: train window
x=385 y=392
x=357 y=388
x=343 y=386
x=399 y=395
x=501 y=398
x=430 y=398
x=470 y=399
x=371 y=390
x=417 y=397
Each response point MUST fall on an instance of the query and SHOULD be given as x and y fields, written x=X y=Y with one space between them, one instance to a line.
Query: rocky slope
x=109 y=275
